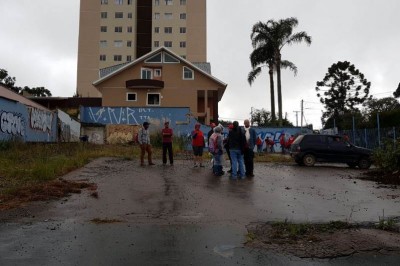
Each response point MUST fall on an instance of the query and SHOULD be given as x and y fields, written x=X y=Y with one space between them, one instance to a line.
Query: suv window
x=315 y=139
x=298 y=139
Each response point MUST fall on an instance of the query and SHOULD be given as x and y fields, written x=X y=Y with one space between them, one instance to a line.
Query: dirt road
x=180 y=215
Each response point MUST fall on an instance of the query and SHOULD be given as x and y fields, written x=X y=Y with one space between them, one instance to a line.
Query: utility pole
x=302 y=114
x=297 y=118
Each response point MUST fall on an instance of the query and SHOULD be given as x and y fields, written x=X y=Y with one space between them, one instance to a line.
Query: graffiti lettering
x=12 y=124
x=144 y=110
x=41 y=120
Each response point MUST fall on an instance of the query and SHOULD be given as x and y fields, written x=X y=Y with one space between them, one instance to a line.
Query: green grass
x=22 y=164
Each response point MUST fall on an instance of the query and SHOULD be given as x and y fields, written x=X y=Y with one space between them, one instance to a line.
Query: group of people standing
x=239 y=145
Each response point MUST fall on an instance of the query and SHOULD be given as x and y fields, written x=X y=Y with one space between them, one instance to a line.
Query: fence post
x=365 y=136
x=354 y=132
x=379 y=129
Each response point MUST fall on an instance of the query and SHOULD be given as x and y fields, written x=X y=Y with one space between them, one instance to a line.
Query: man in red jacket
x=167 y=133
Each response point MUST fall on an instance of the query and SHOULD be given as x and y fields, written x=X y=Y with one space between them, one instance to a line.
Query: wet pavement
x=182 y=215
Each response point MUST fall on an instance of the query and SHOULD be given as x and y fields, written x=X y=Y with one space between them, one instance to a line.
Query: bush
x=387 y=157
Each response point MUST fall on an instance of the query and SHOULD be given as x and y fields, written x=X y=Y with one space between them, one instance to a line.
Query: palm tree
x=274 y=35
x=259 y=59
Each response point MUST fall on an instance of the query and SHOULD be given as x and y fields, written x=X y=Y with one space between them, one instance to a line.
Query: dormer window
x=188 y=73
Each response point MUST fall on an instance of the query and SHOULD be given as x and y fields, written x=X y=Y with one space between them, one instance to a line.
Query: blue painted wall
x=180 y=120
x=18 y=121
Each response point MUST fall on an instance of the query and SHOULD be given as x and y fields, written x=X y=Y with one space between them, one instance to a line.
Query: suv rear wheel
x=364 y=163
x=309 y=160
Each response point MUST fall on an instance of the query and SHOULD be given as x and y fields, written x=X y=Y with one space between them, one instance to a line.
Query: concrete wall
x=69 y=129
x=30 y=124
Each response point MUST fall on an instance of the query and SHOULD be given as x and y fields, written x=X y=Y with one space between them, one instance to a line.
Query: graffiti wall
x=180 y=120
x=18 y=121
x=94 y=135
x=69 y=130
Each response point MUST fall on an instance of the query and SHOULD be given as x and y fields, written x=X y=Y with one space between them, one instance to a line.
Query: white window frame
x=129 y=29
x=182 y=30
x=146 y=70
x=183 y=2
x=157 y=72
x=103 y=57
x=168 y=15
x=131 y=93
x=183 y=73
x=128 y=43
x=182 y=44
x=130 y=16
x=166 y=44
x=103 y=15
x=182 y=16
x=104 y=2
x=117 y=58
x=118 y=29
x=119 y=2
x=119 y=15
x=103 y=28
x=156 y=15
x=118 y=43
x=156 y=2
x=128 y=58
x=156 y=44
x=156 y=29
x=168 y=30
x=169 y=2
x=153 y=93
x=103 y=43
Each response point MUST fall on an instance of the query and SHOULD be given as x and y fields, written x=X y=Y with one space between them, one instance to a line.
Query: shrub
x=387 y=157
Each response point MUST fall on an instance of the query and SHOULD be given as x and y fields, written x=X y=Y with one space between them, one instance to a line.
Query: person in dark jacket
x=236 y=147
x=248 y=152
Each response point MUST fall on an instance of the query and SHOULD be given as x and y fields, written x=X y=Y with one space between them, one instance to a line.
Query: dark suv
x=308 y=149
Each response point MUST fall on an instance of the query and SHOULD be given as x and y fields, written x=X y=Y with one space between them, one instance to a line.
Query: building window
x=119 y=15
x=168 y=2
x=146 y=73
x=183 y=2
x=130 y=2
x=157 y=72
x=103 y=43
x=156 y=44
x=103 y=14
x=128 y=58
x=183 y=56
x=182 y=15
x=128 y=43
x=104 y=2
x=103 y=28
x=118 y=29
x=168 y=15
x=157 y=30
x=118 y=58
x=182 y=30
x=117 y=43
x=168 y=44
x=103 y=57
x=129 y=29
x=131 y=97
x=168 y=30
x=182 y=44
x=153 y=99
x=156 y=2
x=156 y=15
x=119 y=2
x=188 y=73
x=129 y=15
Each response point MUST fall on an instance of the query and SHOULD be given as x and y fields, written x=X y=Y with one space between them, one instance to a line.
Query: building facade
x=162 y=78
x=113 y=32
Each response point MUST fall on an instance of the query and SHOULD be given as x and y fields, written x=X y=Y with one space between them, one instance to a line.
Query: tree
x=386 y=104
x=342 y=89
x=9 y=82
x=37 y=92
x=6 y=80
x=263 y=118
x=275 y=36
x=263 y=56
x=396 y=94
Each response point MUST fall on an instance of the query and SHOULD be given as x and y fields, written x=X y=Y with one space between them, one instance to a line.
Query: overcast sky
x=39 y=43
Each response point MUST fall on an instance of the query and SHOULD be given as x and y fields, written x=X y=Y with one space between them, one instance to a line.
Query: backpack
x=213 y=144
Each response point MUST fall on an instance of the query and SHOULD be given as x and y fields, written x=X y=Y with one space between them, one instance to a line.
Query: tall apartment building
x=113 y=32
